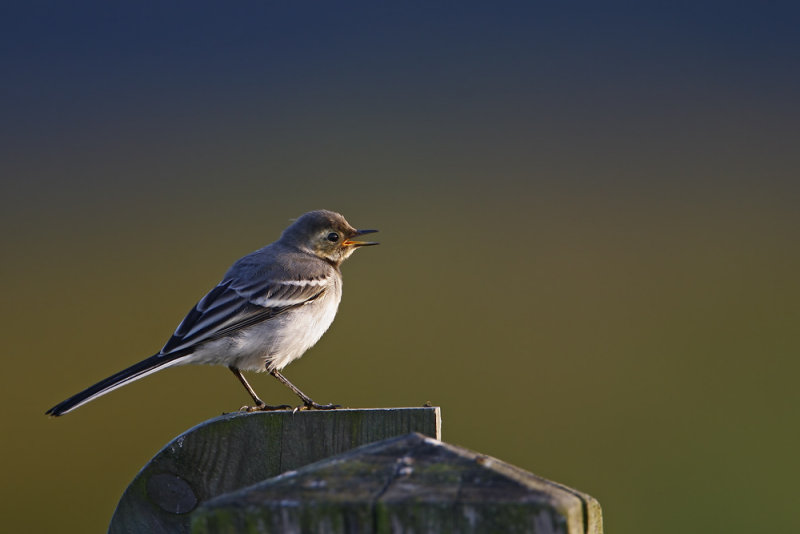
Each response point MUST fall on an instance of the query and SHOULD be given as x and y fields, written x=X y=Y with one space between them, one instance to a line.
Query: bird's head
x=325 y=234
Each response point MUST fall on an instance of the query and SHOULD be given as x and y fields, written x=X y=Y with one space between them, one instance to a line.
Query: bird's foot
x=264 y=408
x=311 y=405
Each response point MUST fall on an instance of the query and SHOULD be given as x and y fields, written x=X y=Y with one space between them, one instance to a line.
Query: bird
x=271 y=306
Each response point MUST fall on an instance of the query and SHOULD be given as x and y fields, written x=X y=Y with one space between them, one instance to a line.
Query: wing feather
x=230 y=306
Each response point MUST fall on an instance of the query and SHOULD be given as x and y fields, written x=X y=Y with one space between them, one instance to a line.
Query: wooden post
x=342 y=471
x=239 y=449
x=409 y=484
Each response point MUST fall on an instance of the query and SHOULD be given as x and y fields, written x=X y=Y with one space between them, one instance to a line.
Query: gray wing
x=235 y=304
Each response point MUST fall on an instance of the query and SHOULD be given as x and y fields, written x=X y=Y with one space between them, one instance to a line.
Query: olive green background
x=589 y=224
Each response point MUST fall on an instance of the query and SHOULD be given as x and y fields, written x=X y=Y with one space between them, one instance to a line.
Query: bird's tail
x=134 y=372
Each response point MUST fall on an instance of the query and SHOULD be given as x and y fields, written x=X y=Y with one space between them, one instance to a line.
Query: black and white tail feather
x=134 y=372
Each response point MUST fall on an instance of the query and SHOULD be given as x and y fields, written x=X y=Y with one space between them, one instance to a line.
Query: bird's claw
x=314 y=406
x=264 y=408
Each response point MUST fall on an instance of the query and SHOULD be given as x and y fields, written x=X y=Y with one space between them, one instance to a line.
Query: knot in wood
x=171 y=493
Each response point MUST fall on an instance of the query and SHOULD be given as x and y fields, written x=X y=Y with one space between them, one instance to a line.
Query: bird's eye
x=333 y=237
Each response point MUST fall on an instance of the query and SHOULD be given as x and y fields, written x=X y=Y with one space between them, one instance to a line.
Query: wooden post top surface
x=239 y=449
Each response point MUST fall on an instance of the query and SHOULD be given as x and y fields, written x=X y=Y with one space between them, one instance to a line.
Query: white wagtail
x=271 y=306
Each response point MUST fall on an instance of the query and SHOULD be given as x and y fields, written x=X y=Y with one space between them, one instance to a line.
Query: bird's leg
x=260 y=405
x=307 y=402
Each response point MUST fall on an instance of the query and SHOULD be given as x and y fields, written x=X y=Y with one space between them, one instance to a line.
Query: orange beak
x=351 y=243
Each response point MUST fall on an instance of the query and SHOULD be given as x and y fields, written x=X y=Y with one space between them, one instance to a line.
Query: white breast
x=304 y=326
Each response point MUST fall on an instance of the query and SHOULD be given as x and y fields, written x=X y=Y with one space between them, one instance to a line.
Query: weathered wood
x=403 y=485
x=236 y=450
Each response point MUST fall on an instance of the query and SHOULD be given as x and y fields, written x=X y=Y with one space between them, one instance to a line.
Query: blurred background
x=589 y=224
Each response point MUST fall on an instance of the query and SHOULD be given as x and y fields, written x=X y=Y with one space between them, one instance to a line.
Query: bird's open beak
x=351 y=243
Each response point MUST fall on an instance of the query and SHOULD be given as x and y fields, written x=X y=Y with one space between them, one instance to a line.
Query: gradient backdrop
x=589 y=223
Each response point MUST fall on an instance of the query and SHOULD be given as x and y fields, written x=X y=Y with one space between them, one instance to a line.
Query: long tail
x=134 y=372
